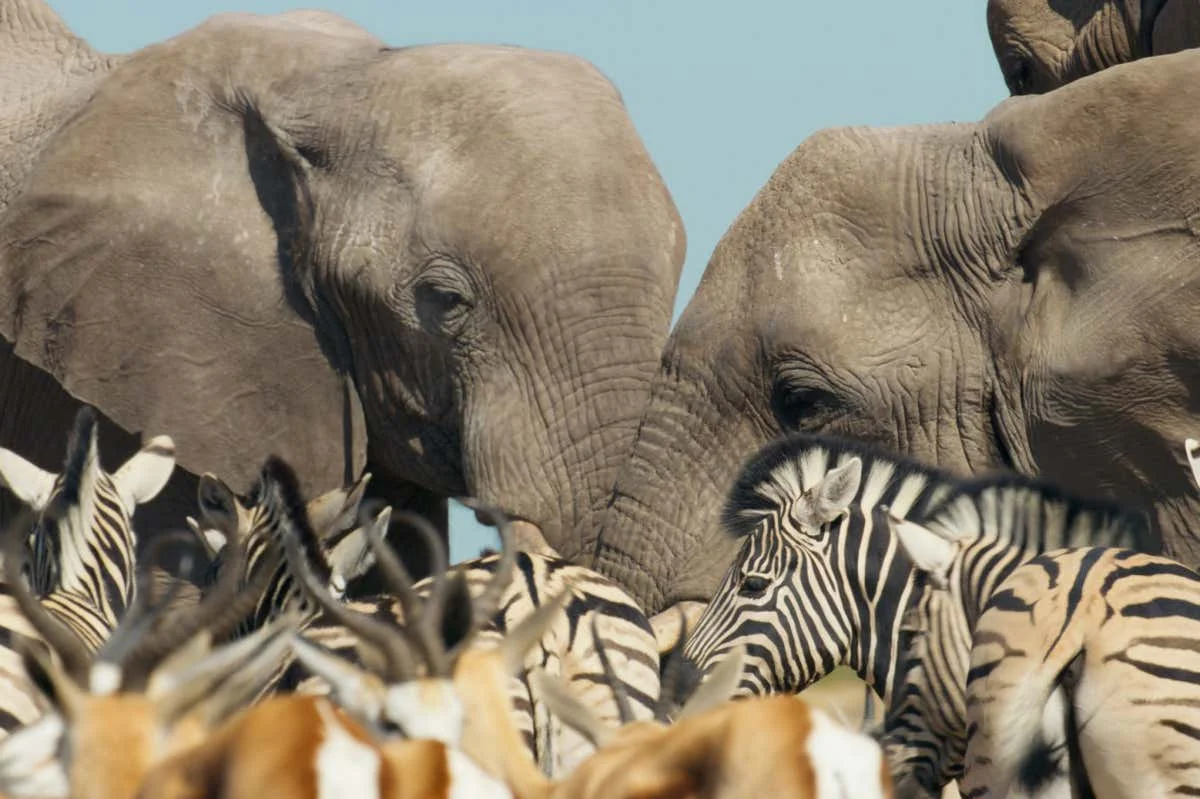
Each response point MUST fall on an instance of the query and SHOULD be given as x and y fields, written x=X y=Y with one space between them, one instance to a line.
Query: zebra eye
x=753 y=585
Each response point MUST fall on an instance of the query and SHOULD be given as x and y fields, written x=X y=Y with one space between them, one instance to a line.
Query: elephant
x=1020 y=293
x=452 y=265
x=1043 y=44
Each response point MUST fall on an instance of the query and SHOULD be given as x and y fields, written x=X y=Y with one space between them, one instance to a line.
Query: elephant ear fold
x=173 y=289
x=31 y=484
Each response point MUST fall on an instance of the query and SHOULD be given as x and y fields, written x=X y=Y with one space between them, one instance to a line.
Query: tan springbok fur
x=462 y=699
x=717 y=748
x=146 y=692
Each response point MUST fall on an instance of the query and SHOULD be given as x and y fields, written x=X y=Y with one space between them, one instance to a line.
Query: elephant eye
x=753 y=585
x=796 y=407
x=440 y=306
x=1017 y=77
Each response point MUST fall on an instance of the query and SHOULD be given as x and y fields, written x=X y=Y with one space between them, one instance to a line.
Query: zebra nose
x=688 y=678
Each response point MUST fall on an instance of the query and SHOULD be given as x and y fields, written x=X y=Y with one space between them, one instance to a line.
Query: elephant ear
x=153 y=263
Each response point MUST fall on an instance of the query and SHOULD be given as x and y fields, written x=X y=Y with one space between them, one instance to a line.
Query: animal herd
x=930 y=416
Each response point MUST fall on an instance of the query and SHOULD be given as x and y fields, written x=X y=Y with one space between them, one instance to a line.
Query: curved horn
x=219 y=611
x=670 y=678
x=421 y=619
x=71 y=650
x=141 y=615
x=389 y=640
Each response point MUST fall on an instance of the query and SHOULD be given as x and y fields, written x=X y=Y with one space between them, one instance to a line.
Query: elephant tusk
x=666 y=625
x=528 y=537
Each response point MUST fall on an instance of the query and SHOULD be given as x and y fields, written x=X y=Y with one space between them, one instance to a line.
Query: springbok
x=147 y=691
x=461 y=698
x=718 y=748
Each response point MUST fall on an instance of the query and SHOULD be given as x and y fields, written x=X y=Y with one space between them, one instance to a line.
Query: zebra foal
x=822 y=581
x=1085 y=667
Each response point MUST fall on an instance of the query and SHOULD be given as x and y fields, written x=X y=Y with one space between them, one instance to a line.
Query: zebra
x=821 y=581
x=1073 y=650
x=82 y=546
x=567 y=648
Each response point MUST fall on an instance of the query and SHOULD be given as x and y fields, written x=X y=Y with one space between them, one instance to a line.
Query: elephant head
x=1043 y=44
x=279 y=235
x=1020 y=292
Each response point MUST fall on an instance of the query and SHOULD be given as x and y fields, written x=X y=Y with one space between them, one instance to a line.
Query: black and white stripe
x=1084 y=675
x=815 y=587
x=567 y=649
x=82 y=550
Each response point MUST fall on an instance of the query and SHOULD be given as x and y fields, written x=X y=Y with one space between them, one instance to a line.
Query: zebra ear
x=353 y=555
x=218 y=505
x=1192 y=447
x=337 y=510
x=833 y=495
x=929 y=552
x=31 y=484
x=145 y=474
x=212 y=540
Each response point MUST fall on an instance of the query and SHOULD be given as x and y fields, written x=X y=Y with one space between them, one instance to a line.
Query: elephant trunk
x=661 y=537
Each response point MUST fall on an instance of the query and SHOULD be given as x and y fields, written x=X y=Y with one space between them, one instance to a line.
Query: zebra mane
x=784 y=469
x=1032 y=513
x=286 y=505
x=79 y=448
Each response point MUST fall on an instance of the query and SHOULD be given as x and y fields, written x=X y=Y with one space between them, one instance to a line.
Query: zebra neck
x=877 y=654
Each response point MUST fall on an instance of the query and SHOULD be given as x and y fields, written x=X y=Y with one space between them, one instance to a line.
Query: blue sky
x=720 y=93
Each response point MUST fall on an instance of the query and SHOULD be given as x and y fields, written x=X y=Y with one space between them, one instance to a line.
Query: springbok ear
x=720 y=685
x=337 y=510
x=359 y=692
x=833 y=495
x=521 y=638
x=218 y=505
x=1192 y=447
x=31 y=484
x=353 y=555
x=141 y=477
x=44 y=672
x=929 y=552
x=569 y=708
x=212 y=540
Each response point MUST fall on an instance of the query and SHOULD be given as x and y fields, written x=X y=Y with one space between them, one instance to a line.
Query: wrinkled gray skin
x=453 y=265
x=1021 y=292
x=1044 y=44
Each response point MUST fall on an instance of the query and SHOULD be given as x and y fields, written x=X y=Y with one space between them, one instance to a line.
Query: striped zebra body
x=822 y=580
x=82 y=550
x=567 y=649
x=1074 y=650
x=255 y=520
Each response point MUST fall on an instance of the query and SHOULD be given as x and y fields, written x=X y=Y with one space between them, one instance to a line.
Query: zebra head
x=256 y=520
x=814 y=564
x=83 y=541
